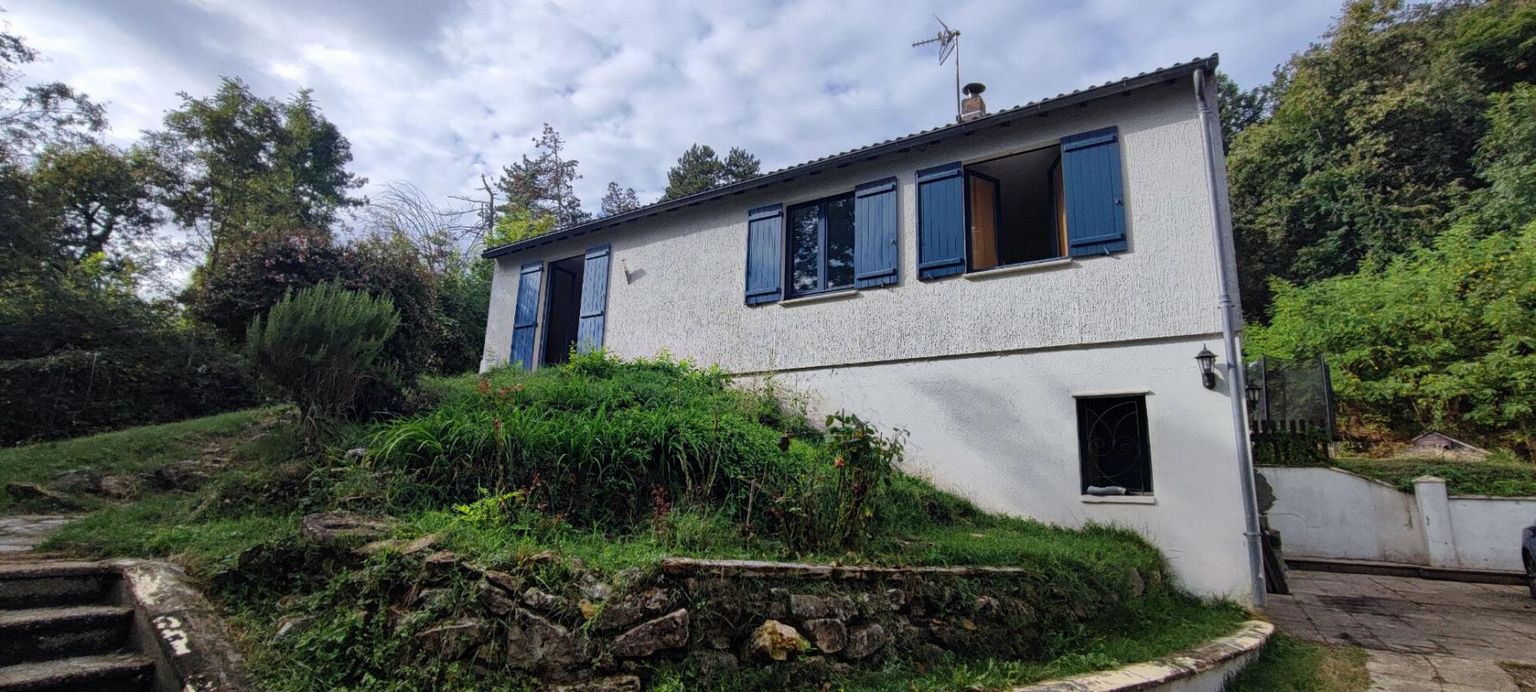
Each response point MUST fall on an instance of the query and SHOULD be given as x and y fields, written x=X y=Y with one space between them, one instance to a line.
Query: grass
x=1294 y=665
x=1501 y=478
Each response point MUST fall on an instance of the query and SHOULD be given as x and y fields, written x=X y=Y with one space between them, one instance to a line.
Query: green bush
x=322 y=347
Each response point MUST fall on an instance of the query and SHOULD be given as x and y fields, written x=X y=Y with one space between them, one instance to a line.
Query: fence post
x=1434 y=505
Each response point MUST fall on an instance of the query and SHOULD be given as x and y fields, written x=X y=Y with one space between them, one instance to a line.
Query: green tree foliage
x=95 y=193
x=700 y=169
x=1506 y=161
x=1369 y=149
x=1239 y=108
x=619 y=200
x=238 y=165
x=1443 y=337
x=539 y=188
x=32 y=116
x=321 y=346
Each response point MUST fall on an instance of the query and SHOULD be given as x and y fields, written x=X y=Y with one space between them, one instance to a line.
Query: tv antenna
x=949 y=44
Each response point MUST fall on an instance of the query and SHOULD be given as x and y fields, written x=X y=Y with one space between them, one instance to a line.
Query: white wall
x=1325 y=512
x=1328 y=513
x=1002 y=431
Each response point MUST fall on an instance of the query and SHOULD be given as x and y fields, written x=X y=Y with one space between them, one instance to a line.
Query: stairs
x=62 y=628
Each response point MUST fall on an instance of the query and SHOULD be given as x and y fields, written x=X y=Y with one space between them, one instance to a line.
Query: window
x=1015 y=209
x=1112 y=441
x=821 y=246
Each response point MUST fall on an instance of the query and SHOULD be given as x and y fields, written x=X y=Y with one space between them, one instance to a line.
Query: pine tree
x=700 y=169
x=543 y=185
x=619 y=200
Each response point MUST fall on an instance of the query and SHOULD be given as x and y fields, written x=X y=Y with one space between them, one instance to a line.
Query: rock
x=495 y=598
x=595 y=590
x=1138 y=585
x=865 y=640
x=712 y=664
x=291 y=625
x=506 y=582
x=804 y=607
x=775 y=641
x=77 y=481
x=331 y=528
x=399 y=545
x=177 y=475
x=534 y=643
x=896 y=598
x=452 y=640
x=35 y=495
x=987 y=606
x=120 y=487
x=356 y=453
x=546 y=603
x=669 y=631
x=828 y=634
x=625 y=612
x=611 y=683
x=440 y=563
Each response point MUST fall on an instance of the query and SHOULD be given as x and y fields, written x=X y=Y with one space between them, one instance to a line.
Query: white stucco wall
x=1325 y=512
x=1328 y=513
x=981 y=371
x=1487 y=530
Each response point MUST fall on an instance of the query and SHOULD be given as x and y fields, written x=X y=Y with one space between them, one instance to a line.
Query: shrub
x=322 y=346
x=834 y=505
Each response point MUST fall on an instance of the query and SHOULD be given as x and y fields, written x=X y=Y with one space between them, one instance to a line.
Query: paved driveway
x=1419 y=634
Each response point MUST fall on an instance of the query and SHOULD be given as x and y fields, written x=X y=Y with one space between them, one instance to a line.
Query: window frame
x=823 y=205
x=1058 y=236
x=1143 y=432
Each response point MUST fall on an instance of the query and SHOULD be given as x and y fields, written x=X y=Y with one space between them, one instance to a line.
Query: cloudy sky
x=436 y=92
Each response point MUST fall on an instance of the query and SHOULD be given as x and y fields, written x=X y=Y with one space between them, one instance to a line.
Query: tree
x=541 y=186
x=700 y=169
x=1239 y=108
x=237 y=164
x=93 y=193
x=619 y=200
x=40 y=114
x=436 y=232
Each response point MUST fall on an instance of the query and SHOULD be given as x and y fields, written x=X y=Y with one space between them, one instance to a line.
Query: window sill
x=1119 y=500
x=820 y=298
x=1021 y=268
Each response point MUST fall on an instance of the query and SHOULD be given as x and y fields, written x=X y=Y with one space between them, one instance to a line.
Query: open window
x=562 y=309
x=1015 y=209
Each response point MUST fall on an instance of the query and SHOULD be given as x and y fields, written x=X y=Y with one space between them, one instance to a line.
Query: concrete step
x=107 y=673
x=54 y=583
x=39 y=634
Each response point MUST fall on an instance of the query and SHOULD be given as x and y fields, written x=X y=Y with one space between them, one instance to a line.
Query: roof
x=865 y=153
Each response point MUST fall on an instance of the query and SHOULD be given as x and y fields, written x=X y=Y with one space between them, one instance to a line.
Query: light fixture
x=1207 y=361
x=1253 y=391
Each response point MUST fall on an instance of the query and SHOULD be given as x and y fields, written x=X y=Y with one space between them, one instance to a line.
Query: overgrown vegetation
x=1289 y=664
x=1503 y=477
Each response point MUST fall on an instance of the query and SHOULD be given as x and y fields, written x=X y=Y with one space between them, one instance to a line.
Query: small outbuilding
x=1441 y=444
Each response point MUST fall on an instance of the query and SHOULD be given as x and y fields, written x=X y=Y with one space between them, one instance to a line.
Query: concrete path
x=1418 y=634
x=23 y=532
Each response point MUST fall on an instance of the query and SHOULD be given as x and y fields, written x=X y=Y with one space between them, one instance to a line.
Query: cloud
x=439 y=92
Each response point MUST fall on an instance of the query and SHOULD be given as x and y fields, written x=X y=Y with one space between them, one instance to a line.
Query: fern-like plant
x=320 y=347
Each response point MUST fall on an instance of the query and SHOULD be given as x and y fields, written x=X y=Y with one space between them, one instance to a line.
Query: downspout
x=1234 y=364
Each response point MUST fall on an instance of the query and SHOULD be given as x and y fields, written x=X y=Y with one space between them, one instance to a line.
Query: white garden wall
x=1328 y=513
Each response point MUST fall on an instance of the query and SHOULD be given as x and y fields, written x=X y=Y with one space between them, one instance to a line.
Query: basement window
x=1015 y=209
x=821 y=246
x=1112 y=441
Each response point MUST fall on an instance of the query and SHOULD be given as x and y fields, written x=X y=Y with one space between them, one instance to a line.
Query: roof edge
x=786 y=174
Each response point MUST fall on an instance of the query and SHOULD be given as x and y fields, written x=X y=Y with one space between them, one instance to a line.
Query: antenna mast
x=949 y=43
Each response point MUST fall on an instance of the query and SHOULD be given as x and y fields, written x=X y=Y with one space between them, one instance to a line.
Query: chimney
x=972 y=107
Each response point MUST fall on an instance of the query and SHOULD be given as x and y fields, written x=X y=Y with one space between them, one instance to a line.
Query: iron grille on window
x=1112 y=439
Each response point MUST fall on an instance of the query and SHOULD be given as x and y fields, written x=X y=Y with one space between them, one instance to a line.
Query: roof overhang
x=898 y=145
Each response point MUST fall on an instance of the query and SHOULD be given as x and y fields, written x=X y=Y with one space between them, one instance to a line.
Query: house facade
x=1025 y=293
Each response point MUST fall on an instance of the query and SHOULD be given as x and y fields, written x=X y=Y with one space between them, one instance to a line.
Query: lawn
x=1295 y=665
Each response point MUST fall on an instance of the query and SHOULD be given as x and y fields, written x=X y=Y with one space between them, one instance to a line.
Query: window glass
x=804 y=249
x=840 y=242
x=1112 y=440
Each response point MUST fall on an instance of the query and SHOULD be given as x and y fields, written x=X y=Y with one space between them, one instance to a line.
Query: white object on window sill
x=1119 y=499
x=820 y=298
x=1037 y=265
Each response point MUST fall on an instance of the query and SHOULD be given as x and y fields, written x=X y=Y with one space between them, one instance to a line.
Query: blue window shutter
x=940 y=221
x=765 y=254
x=875 y=220
x=525 y=320
x=594 y=300
x=1090 y=172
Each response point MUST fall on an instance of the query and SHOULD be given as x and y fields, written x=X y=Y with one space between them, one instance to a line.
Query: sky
x=436 y=93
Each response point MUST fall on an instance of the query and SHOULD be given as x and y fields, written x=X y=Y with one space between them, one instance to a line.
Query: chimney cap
x=973 y=89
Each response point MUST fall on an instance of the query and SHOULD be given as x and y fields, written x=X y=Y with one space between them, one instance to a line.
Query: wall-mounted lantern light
x=1207 y=361
x=1252 y=391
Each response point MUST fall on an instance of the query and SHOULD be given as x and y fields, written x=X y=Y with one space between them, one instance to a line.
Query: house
x=1441 y=444
x=1025 y=292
